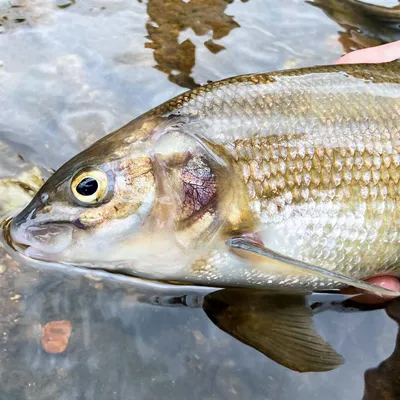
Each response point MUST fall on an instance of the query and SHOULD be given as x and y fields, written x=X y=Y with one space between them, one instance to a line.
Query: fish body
x=302 y=164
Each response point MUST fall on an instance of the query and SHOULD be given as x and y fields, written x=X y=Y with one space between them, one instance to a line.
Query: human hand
x=373 y=55
x=380 y=54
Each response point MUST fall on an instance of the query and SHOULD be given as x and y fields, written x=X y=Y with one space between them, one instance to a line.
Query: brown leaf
x=55 y=336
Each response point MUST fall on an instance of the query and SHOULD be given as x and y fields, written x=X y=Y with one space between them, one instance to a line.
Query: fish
x=287 y=180
x=281 y=184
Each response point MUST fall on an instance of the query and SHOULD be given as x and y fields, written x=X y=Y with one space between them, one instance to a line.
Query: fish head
x=89 y=205
x=133 y=201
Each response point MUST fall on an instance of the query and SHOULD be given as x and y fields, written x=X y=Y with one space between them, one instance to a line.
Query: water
x=72 y=71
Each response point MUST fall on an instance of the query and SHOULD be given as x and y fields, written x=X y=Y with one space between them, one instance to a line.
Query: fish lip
x=16 y=236
x=6 y=232
x=13 y=235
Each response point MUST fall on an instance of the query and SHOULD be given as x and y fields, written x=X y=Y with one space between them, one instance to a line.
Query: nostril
x=44 y=198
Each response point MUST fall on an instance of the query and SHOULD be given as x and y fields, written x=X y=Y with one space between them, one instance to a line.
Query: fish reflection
x=169 y=18
x=280 y=326
x=364 y=24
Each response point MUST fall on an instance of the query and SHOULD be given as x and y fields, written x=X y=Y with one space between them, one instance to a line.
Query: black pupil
x=87 y=187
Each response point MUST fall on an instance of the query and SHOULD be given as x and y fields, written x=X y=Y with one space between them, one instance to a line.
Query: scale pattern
x=319 y=153
x=336 y=208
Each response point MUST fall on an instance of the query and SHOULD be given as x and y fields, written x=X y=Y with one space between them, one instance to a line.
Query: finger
x=387 y=282
x=379 y=54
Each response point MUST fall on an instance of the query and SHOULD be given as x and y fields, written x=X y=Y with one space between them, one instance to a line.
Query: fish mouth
x=6 y=231
x=43 y=241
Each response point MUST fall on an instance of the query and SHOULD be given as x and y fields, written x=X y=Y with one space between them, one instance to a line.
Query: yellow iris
x=89 y=186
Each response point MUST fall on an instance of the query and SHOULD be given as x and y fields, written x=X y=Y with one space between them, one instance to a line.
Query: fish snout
x=21 y=221
x=36 y=235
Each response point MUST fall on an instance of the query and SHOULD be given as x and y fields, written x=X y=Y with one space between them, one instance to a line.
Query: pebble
x=55 y=336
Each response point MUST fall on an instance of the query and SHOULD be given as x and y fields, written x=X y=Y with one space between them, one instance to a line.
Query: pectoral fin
x=269 y=261
x=279 y=326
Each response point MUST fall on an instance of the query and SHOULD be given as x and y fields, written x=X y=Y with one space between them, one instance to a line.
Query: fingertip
x=379 y=54
x=386 y=282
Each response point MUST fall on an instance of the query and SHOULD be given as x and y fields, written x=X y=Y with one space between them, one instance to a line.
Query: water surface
x=72 y=71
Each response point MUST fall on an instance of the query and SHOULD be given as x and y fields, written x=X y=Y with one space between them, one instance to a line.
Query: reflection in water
x=169 y=18
x=383 y=382
x=134 y=336
x=365 y=25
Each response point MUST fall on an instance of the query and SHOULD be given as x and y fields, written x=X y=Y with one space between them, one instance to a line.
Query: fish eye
x=90 y=186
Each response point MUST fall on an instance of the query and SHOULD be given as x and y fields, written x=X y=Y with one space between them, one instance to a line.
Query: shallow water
x=70 y=72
